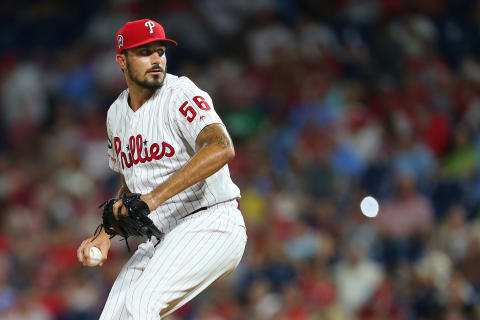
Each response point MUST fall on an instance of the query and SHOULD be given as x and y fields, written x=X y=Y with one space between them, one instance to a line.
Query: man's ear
x=121 y=61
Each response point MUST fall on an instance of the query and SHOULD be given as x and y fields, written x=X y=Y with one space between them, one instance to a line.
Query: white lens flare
x=369 y=207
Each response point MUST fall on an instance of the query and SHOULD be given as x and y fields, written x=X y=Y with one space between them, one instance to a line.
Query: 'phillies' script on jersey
x=135 y=151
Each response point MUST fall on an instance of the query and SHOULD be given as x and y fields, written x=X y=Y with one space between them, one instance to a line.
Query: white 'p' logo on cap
x=120 y=41
x=150 y=24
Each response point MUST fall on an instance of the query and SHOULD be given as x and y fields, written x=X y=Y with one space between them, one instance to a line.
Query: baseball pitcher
x=171 y=150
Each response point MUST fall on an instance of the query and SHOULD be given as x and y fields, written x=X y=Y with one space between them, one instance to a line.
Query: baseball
x=369 y=207
x=95 y=257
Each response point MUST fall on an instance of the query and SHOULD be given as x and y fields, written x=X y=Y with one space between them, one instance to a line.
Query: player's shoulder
x=181 y=84
x=116 y=105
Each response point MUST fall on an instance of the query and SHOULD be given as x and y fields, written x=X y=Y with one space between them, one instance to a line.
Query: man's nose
x=155 y=58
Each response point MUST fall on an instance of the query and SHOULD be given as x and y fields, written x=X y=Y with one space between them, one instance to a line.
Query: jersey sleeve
x=113 y=162
x=191 y=112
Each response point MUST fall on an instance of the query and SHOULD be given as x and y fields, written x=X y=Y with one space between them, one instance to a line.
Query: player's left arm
x=213 y=149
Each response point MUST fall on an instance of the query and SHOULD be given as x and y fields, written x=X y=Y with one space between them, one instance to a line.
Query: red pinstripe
x=126 y=268
x=131 y=280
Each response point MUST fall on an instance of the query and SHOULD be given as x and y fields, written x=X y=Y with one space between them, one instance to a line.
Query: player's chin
x=153 y=83
x=155 y=79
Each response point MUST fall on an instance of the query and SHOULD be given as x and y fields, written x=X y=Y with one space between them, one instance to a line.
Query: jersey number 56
x=189 y=112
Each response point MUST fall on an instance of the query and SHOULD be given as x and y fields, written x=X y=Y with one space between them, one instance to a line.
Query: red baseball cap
x=140 y=32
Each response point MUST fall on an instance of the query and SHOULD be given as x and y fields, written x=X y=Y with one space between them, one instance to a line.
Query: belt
x=205 y=208
x=202 y=208
x=193 y=212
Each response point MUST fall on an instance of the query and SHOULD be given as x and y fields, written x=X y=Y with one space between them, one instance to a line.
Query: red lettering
x=126 y=162
x=201 y=103
x=135 y=146
x=171 y=151
x=139 y=148
x=117 y=144
x=132 y=145
x=154 y=148
x=185 y=110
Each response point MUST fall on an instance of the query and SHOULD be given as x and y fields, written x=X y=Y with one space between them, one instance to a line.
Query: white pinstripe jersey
x=149 y=145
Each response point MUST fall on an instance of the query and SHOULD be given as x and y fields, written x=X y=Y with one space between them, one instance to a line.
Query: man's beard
x=146 y=84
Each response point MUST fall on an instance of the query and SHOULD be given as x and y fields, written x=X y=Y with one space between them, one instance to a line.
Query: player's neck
x=138 y=96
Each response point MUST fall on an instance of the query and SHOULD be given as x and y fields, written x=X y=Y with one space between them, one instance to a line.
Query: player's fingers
x=79 y=253
x=116 y=206
x=86 y=252
x=80 y=256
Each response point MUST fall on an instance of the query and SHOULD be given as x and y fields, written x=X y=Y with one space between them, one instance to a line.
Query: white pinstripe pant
x=206 y=246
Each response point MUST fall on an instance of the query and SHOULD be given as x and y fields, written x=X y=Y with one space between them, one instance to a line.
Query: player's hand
x=119 y=208
x=102 y=242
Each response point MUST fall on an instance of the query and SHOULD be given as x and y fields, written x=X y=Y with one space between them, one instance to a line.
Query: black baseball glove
x=135 y=223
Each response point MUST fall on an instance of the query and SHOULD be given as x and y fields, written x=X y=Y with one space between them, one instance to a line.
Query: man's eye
x=145 y=52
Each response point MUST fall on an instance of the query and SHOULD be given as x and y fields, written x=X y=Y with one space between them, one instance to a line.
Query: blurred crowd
x=327 y=102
